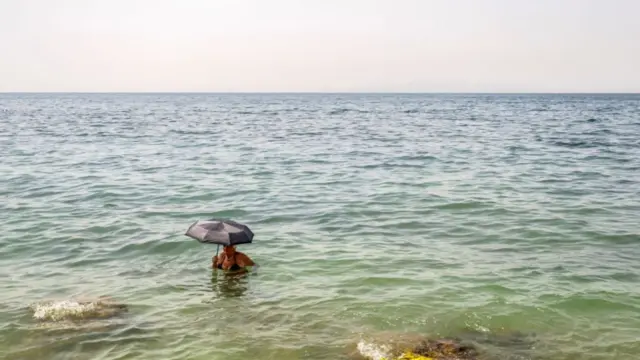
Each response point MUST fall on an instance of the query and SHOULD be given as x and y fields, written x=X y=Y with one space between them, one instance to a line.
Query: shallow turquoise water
x=437 y=214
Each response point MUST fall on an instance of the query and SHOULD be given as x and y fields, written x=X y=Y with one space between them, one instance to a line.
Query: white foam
x=374 y=352
x=60 y=310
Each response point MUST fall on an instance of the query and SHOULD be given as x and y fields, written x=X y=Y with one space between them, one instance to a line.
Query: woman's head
x=229 y=249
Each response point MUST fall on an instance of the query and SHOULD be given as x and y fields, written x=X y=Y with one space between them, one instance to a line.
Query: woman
x=232 y=260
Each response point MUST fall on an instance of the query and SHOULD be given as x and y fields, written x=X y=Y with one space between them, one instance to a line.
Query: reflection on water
x=229 y=284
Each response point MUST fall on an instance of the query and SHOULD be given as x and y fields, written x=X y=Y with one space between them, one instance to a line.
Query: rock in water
x=445 y=349
x=418 y=349
x=86 y=309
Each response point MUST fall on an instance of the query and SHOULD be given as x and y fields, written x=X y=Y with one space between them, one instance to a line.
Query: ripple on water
x=453 y=215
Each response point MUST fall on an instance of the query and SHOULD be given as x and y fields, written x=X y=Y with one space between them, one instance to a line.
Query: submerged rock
x=444 y=349
x=468 y=346
x=384 y=346
x=415 y=347
x=74 y=310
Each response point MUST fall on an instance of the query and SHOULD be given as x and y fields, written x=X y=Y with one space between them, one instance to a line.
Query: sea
x=506 y=221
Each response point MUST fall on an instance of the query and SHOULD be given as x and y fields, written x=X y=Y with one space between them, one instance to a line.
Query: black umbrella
x=220 y=232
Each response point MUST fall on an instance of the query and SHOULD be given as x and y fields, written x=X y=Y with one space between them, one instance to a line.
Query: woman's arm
x=218 y=259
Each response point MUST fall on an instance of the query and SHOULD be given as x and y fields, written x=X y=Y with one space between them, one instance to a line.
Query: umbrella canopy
x=220 y=232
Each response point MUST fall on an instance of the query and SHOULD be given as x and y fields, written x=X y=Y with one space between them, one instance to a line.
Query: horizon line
x=332 y=92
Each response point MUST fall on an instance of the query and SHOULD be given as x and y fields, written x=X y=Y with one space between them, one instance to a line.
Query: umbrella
x=220 y=232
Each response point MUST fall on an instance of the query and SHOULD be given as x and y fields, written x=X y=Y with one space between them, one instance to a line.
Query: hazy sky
x=328 y=45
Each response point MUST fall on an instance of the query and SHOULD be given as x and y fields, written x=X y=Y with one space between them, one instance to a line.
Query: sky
x=320 y=46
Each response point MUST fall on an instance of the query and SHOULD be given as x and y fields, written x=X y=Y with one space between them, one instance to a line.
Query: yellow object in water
x=411 y=356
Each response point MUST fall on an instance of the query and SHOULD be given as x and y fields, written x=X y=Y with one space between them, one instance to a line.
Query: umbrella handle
x=217 y=249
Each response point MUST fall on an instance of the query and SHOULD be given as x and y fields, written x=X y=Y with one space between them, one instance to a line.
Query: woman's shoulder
x=242 y=256
x=244 y=259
